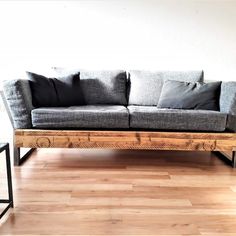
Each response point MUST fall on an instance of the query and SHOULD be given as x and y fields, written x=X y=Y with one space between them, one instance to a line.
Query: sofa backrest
x=99 y=86
x=104 y=87
x=228 y=103
x=228 y=98
x=145 y=86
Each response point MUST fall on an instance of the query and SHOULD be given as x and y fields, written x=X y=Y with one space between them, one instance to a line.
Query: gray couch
x=115 y=104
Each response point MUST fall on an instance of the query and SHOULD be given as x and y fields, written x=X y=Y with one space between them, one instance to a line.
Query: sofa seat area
x=87 y=116
x=134 y=117
x=151 y=117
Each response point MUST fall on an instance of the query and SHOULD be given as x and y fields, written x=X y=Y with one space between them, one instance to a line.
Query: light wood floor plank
x=77 y=192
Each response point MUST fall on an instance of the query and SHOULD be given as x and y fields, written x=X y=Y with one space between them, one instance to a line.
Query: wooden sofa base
x=143 y=140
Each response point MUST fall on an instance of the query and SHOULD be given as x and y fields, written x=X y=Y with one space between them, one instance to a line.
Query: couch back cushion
x=104 y=87
x=145 y=86
x=228 y=98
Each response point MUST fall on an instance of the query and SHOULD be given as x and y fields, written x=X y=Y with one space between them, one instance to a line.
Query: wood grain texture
x=90 y=192
x=126 y=140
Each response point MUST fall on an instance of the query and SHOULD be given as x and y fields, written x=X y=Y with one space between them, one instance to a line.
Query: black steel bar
x=4 y=201
x=9 y=177
x=3 y=148
x=9 y=201
x=5 y=210
x=233 y=160
x=226 y=158
x=16 y=155
x=18 y=159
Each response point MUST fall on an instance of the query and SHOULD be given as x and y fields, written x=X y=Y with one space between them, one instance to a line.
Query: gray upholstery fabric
x=145 y=86
x=100 y=116
x=19 y=100
x=228 y=103
x=104 y=87
x=151 y=117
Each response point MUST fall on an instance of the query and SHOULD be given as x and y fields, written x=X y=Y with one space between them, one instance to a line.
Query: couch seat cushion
x=89 y=116
x=151 y=117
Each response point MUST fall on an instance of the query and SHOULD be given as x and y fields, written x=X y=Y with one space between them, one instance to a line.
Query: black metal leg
x=4 y=211
x=9 y=177
x=16 y=156
x=233 y=160
x=18 y=159
x=230 y=160
x=9 y=201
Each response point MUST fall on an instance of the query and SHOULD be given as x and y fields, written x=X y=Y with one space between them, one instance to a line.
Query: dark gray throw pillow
x=54 y=92
x=187 y=95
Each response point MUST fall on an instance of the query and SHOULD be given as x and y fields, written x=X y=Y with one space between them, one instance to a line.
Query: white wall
x=143 y=34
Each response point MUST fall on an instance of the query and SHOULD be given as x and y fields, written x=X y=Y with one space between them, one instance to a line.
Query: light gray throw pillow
x=187 y=95
x=145 y=86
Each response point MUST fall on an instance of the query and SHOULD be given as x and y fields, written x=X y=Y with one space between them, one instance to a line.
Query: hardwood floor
x=76 y=192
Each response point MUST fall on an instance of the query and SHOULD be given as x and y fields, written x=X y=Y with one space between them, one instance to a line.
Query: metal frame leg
x=18 y=159
x=234 y=159
x=9 y=201
x=230 y=160
x=9 y=177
